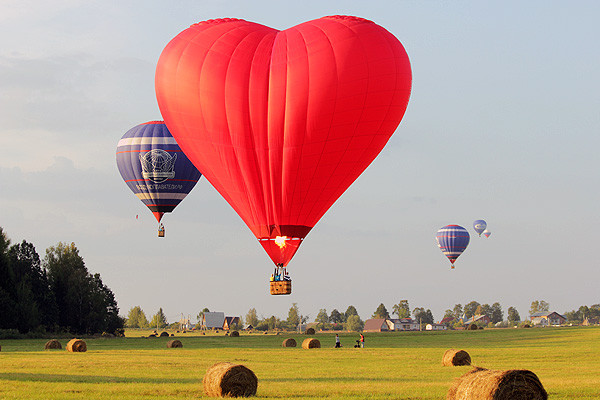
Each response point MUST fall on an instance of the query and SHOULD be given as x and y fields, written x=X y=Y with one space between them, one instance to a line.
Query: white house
x=435 y=327
x=404 y=324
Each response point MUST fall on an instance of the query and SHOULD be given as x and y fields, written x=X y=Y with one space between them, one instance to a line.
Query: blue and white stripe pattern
x=452 y=240
x=155 y=168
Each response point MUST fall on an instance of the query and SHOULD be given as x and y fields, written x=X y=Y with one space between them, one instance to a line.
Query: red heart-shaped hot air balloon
x=282 y=122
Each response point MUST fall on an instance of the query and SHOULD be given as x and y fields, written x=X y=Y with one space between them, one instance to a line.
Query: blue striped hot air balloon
x=155 y=168
x=479 y=226
x=452 y=240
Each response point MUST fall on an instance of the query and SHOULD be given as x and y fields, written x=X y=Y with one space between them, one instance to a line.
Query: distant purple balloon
x=453 y=240
x=479 y=226
x=155 y=168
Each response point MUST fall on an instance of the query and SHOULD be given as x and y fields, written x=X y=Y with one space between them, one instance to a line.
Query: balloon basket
x=281 y=287
x=161 y=233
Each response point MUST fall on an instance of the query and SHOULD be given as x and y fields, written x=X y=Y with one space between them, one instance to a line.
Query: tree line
x=54 y=294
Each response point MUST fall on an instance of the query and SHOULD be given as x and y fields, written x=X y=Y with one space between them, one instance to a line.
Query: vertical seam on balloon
x=310 y=210
x=239 y=170
x=301 y=145
x=256 y=152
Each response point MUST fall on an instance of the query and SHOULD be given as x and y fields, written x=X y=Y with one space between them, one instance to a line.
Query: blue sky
x=502 y=125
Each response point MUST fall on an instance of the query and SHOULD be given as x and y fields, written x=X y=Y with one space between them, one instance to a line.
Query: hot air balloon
x=452 y=240
x=281 y=123
x=487 y=233
x=479 y=226
x=155 y=169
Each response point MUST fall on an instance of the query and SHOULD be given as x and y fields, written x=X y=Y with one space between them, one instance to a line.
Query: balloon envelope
x=154 y=167
x=479 y=226
x=487 y=233
x=452 y=240
x=282 y=122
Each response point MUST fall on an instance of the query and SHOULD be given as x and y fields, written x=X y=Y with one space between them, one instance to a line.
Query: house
x=403 y=324
x=376 y=325
x=590 y=321
x=185 y=324
x=478 y=319
x=547 y=318
x=213 y=320
x=448 y=321
x=229 y=321
x=435 y=327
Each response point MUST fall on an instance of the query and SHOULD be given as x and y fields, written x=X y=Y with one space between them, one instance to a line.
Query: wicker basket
x=281 y=287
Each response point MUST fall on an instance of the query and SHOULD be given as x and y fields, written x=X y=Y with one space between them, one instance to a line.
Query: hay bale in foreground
x=485 y=384
x=229 y=380
x=309 y=331
x=174 y=344
x=76 y=346
x=235 y=334
x=311 y=343
x=289 y=342
x=473 y=327
x=52 y=345
x=164 y=334
x=454 y=358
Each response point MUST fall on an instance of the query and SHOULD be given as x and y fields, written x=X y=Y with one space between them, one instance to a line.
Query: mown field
x=398 y=365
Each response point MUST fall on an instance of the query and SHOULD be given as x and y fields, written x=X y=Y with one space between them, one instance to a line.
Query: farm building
x=376 y=325
x=213 y=320
x=229 y=321
x=448 y=320
x=547 y=318
x=478 y=319
x=403 y=324
x=590 y=321
x=435 y=327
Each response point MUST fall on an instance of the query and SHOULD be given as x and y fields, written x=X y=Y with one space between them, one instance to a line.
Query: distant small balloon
x=453 y=240
x=487 y=233
x=479 y=226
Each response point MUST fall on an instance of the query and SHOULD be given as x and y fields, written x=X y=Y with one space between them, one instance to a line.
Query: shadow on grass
x=58 y=378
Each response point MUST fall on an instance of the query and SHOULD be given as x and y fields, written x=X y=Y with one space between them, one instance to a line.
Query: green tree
x=351 y=310
x=322 y=319
x=402 y=309
x=449 y=314
x=159 y=320
x=136 y=318
x=336 y=317
x=470 y=309
x=381 y=312
x=538 y=306
x=84 y=303
x=496 y=313
x=513 y=315
x=293 y=318
x=354 y=323
x=457 y=311
x=252 y=317
x=8 y=316
x=423 y=316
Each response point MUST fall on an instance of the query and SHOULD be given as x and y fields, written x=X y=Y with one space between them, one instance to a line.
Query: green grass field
x=399 y=365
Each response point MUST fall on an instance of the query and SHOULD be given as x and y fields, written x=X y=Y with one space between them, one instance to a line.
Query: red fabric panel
x=282 y=122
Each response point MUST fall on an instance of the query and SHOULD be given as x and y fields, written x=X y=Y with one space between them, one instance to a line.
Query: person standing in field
x=362 y=341
x=337 y=341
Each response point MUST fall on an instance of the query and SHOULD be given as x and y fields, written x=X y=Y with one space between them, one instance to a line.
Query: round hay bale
x=229 y=380
x=473 y=327
x=526 y=326
x=52 y=345
x=309 y=331
x=164 y=334
x=174 y=344
x=76 y=346
x=235 y=334
x=289 y=342
x=311 y=343
x=485 y=384
x=152 y=335
x=454 y=358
